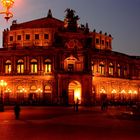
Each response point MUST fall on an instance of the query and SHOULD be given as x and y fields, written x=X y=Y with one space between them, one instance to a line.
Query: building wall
x=64 y=66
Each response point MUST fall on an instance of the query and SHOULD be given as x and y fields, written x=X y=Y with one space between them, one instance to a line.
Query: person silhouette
x=76 y=105
x=17 y=111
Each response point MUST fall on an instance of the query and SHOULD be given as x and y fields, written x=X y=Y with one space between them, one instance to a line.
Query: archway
x=74 y=92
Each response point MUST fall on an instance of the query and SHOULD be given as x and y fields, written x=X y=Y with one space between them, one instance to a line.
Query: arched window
x=48 y=89
x=119 y=70
x=125 y=71
x=8 y=67
x=102 y=68
x=48 y=66
x=92 y=67
x=33 y=65
x=111 y=69
x=70 y=63
x=20 y=66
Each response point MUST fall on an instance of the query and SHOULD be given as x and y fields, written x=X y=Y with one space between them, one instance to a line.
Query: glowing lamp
x=135 y=92
x=113 y=91
x=3 y=83
x=7 y=4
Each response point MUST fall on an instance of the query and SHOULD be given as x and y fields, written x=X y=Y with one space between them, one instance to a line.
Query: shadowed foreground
x=63 y=123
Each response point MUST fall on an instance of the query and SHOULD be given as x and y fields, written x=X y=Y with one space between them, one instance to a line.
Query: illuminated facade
x=49 y=61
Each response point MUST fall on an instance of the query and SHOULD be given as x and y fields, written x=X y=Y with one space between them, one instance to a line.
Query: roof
x=46 y=22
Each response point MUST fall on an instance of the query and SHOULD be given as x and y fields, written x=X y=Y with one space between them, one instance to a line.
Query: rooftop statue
x=71 y=20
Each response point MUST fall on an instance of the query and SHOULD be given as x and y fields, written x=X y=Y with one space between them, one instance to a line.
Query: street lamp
x=7 y=4
x=2 y=85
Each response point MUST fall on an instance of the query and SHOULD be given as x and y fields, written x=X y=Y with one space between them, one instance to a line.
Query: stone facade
x=49 y=61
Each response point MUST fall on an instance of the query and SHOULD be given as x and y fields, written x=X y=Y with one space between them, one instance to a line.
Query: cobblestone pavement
x=63 y=123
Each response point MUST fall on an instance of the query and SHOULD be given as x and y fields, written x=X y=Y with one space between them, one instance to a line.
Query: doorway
x=74 y=92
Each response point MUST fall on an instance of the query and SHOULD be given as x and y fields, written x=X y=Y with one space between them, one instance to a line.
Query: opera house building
x=53 y=62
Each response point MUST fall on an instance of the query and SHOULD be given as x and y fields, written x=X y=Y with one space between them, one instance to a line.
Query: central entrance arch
x=74 y=92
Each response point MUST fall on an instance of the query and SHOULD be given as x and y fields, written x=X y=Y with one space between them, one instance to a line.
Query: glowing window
x=8 y=67
x=33 y=65
x=111 y=69
x=92 y=67
x=20 y=66
x=119 y=70
x=48 y=65
x=125 y=71
x=48 y=89
x=101 y=68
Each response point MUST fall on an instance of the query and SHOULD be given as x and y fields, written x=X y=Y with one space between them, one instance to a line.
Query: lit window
x=125 y=71
x=101 y=68
x=20 y=66
x=33 y=66
x=111 y=69
x=92 y=67
x=8 y=67
x=48 y=89
x=48 y=66
x=119 y=70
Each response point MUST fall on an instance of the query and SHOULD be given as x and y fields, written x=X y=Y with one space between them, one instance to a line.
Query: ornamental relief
x=73 y=43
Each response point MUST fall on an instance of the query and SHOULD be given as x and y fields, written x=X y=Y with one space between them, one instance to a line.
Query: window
x=119 y=70
x=102 y=42
x=125 y=71
x=8 y=67
x=36 y=36
x=46 y=36
x=20 y=66
x=107 y=44
x=71 y=64
x=48 y=89
x=33 y=66
x=92 y=67
x=11 y=38
x=18 y=37
x=111 y=69
x=48 y=66
x=101 y=68
x=70 y=67
x=97 y=41
x=27 y=37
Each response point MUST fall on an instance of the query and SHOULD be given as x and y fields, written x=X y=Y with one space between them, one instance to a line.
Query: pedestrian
x=76 y=105
x=17 y=111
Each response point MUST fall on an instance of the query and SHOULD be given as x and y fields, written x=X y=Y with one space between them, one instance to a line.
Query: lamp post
x=7 y=4
x=2 y=85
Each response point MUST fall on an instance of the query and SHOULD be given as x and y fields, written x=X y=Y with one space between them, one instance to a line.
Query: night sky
x=120 y=18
